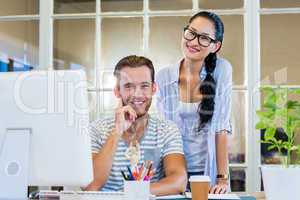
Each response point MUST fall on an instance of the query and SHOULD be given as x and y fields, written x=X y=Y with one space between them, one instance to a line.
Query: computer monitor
x=44 y=139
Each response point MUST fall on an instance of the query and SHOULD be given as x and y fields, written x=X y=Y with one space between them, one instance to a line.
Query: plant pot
x=281 y=183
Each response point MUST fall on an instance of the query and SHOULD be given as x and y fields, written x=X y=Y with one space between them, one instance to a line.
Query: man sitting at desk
x=132 y=136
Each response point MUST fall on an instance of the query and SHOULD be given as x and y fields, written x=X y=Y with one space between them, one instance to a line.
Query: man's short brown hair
x=134 y=61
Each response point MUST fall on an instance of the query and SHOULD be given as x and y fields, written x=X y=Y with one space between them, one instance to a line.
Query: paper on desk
x=223 y=196
x=210 y=196
x=217 y=196
x=171 y=197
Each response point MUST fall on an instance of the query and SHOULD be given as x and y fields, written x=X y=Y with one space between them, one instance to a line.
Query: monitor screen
x=52 y=108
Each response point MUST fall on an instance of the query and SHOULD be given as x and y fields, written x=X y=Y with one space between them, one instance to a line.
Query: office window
x=74 y=45
x=120 y=37
x=121 y=5
x=74 y=6
x=164 y=40
x=19 y=42
x=237 y=179
x=170 y=4
x=92 y=105
x=279 y=3
x=106 y=79
x=233 y=46
x=280 y=59
x=17 y=7
x=217 y=4
x=237 y=149
x=107 y=102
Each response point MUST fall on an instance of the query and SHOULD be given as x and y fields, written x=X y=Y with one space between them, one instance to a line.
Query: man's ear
x=117 y=92
x=216 y=47
x=154 y=88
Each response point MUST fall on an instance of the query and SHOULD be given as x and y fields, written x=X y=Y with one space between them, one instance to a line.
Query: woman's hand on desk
x=220 y=188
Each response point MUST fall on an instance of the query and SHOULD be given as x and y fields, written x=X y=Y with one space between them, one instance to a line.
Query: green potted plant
x=278 y=111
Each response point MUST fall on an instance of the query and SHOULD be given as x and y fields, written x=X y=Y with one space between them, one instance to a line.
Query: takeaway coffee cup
x=199 y=187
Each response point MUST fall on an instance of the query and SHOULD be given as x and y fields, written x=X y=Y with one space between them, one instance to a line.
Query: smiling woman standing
x=196 y=94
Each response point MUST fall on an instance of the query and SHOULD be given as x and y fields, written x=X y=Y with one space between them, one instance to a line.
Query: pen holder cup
x=137 y=190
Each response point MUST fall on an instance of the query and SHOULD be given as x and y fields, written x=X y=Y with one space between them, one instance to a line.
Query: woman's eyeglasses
x=203 y=40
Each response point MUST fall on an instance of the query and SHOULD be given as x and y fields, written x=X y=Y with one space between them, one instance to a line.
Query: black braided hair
x=208 y=85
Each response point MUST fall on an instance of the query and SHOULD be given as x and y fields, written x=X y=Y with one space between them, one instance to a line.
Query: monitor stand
x=14 y=163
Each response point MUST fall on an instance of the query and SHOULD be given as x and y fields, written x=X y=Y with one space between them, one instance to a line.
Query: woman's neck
x=190 y=67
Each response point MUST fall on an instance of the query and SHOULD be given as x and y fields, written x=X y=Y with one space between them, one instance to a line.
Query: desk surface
x=210 y=196
x=119 y=196
x=242 y=198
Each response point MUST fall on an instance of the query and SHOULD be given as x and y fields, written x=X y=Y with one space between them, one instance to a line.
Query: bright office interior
x=261 y=40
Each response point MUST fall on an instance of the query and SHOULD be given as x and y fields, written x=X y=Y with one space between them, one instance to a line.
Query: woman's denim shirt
x=168 y=104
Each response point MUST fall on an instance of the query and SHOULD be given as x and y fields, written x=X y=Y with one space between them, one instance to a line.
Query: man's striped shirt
x=160 y=139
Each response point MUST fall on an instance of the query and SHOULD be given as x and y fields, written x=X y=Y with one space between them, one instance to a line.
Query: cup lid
x=199 y=179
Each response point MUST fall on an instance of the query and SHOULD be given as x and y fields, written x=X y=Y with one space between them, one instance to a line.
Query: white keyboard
x=84 y=195
x=72 y=195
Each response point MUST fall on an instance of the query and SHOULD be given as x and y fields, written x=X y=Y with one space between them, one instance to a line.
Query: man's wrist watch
x=222 y=176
